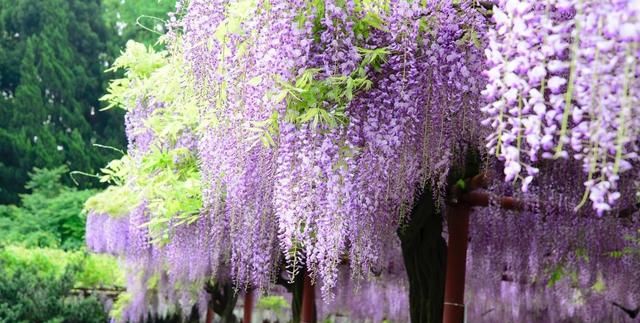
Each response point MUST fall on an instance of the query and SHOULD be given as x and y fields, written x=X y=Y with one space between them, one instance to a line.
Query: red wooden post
x=248 y=306
x=307 y=314
x=458 y=223
x=210 y=315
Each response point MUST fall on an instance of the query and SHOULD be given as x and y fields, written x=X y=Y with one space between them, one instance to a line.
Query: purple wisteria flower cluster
x=164 y=261
x=334 y=191
x=563 y=83
x=384 y=297
x=529 y=266
x=159 y=277
x=139 y=136
x=246 y=48
x=319 y=122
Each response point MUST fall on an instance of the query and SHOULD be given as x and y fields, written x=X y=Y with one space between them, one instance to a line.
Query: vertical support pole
x=210 y=315
x=248 y=306
x=308 y=301
x=458 y=223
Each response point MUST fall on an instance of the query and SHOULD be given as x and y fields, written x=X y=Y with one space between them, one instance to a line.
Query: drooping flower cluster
x=311 y=187
x=384 y=297
x=544 y=265
x=336 y=188
x=106 y=234
x=141 y=218
x=563 y=83
x=139 y=136
x=302 y=131
x=250 y=48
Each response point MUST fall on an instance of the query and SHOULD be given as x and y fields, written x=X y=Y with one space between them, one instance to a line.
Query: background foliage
x=53 y=57
x=51 y=216
x=52 y=60
x=36 y=285
x=89 y=270
x=125 y=18
x=27 y=297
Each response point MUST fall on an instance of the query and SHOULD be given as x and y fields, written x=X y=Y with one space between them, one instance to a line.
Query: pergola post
x=307 y=314
x=458 y=212
x=248 y=306
x=458 y=224
x=210 y=314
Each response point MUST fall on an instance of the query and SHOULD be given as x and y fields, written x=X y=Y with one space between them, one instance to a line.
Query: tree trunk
x=223 y=301
x=297 y=289
x=425 y=252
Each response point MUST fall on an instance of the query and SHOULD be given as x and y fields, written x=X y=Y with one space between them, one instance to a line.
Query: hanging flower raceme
x=252 y=47
x=316 y=116
x=384 y=297
x=302 y=131
x=563 y=84
x=146 y=218
x=528 y=264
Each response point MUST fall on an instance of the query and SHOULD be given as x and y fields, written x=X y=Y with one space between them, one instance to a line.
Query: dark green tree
x=52 y=57
x=141 y=20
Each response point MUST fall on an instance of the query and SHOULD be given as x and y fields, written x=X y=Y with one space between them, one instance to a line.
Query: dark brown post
x=458 y=223
x=248 y=306
x=308 y=301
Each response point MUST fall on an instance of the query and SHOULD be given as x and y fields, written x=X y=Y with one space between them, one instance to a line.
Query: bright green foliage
x=167 y=177
x=36 y=285
x=52 y=56
x=91 y=270
x=277 y=304
x=115 y=200
x=323 y=101
x=120 y=305
x=320 y=101
x=51 y=216
x=237 y=13
x=122 y=92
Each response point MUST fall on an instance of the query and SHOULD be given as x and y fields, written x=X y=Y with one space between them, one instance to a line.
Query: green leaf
x=373 y=19
x=255 y=81
x=461 y=184
x=308 y=115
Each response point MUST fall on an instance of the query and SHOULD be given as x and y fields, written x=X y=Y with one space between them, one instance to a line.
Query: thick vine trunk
x=425 y=252
x=223 y=301
x=297 y=289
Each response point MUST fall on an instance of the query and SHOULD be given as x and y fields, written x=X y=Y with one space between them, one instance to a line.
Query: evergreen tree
x=52 y=57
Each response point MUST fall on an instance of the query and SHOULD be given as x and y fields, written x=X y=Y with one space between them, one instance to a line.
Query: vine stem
x=570 y=82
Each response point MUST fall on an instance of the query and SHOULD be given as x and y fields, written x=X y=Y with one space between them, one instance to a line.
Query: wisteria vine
x=563 y=84
x=300 y=133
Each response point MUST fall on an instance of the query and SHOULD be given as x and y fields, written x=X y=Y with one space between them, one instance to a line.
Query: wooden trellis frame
x=458 y=211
